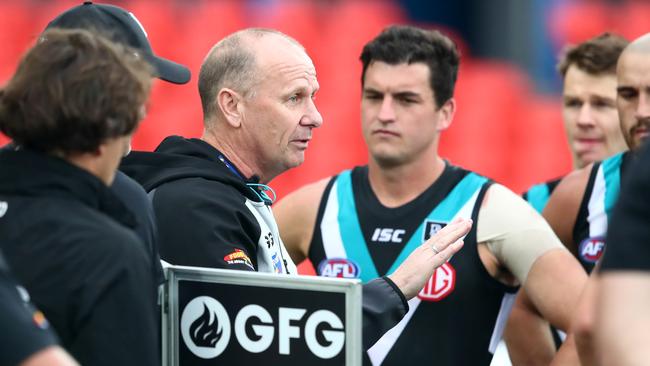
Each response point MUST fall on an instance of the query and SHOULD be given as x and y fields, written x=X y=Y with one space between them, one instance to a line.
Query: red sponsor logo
x=440 y=285
x=238 y=257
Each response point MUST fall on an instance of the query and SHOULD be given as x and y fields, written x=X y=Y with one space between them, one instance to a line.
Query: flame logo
x=204 y=333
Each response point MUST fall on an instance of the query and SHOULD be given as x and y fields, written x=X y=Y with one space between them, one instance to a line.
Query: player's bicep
x=554 y=285
x=514 y=232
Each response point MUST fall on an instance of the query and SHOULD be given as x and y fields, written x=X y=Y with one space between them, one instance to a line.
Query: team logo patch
x=338 y=267
x=205 y=327
x=40 y=320
x=277 y=264
x=238 y=257
x=431 y=228
x=440 y=285
x=591 y=249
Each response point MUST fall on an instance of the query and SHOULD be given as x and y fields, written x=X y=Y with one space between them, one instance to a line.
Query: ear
x=100 y=150
x=229 y=102
x=446 y=114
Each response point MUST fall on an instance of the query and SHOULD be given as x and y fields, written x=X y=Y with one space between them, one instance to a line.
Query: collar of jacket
x=30 y=173
x=179 y=158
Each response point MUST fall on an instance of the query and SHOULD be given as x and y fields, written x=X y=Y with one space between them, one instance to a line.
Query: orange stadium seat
x=338 y=144
x=576 y=22
x=540 y=151
x=489 y=96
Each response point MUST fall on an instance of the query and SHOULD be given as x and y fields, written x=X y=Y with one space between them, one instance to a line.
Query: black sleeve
x=115 y=316
x=136 y=200
x=628 y=237
x=384 y=306
x=24 y=329
x=205 y=224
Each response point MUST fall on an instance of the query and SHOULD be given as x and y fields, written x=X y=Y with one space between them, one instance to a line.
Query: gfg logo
x=206 y=330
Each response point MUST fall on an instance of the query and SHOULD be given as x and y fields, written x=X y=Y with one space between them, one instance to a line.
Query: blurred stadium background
x=508 y=125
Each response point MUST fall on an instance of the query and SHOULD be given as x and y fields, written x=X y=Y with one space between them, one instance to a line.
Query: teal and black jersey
x=600 y=195
x=458 y=317
x=539 y=194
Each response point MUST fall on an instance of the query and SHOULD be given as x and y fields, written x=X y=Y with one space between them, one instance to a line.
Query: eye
x=406 y=100
x=627 y=93
x=372 y=96
x=601 y=104
x=572 y=103
x=295 y=98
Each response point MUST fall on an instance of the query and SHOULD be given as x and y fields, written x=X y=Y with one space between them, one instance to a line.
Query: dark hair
x=407 y=44
x=72 y=91
x=596 y=56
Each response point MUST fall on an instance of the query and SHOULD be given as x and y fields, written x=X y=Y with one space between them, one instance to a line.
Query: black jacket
x=202 y=205
x=136 y=200
x=24 y=331
x=70 y=242
x=207 y=215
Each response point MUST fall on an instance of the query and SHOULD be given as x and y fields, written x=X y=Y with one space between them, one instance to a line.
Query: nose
x=585 y=116
x=643 y=108
x=386 y=110
x=312 y=116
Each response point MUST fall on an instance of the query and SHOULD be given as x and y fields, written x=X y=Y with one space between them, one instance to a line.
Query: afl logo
x=440 y=285
x=591 y=249
x=338 y=267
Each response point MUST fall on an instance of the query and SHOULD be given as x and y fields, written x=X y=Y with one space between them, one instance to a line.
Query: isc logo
x=591 y=249
x=338 y=267
x=387 y=235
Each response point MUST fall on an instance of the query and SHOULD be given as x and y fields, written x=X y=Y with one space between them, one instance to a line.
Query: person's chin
x=589 y=156
x=296 y=160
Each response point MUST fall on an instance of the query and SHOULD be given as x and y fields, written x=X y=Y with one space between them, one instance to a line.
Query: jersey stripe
x=538 y=196
x=612 y=173
x=350 y=228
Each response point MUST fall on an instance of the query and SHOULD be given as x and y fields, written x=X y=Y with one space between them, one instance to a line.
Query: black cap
x=120 y=26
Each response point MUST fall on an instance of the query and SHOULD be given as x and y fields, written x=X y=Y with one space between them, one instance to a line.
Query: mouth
x=385 y=133
x=301 y=143
x=586 y=145
x=641 y=133
x=584 y=140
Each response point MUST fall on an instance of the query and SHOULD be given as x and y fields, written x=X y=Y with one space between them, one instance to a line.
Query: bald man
x=580 y=207
x=210 y=196
x=623 y=321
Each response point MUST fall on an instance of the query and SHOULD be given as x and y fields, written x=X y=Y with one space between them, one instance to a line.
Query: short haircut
x=407 y=44
x=231 y=64
x=595 y=56
x=73 y=91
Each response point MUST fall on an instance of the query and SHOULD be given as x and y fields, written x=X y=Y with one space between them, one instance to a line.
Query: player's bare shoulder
x=563 y=205
x=296 y=217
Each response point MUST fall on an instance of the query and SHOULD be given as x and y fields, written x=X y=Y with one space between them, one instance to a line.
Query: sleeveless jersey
x=538 y=195
x=458 y=317
x=600 y=195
